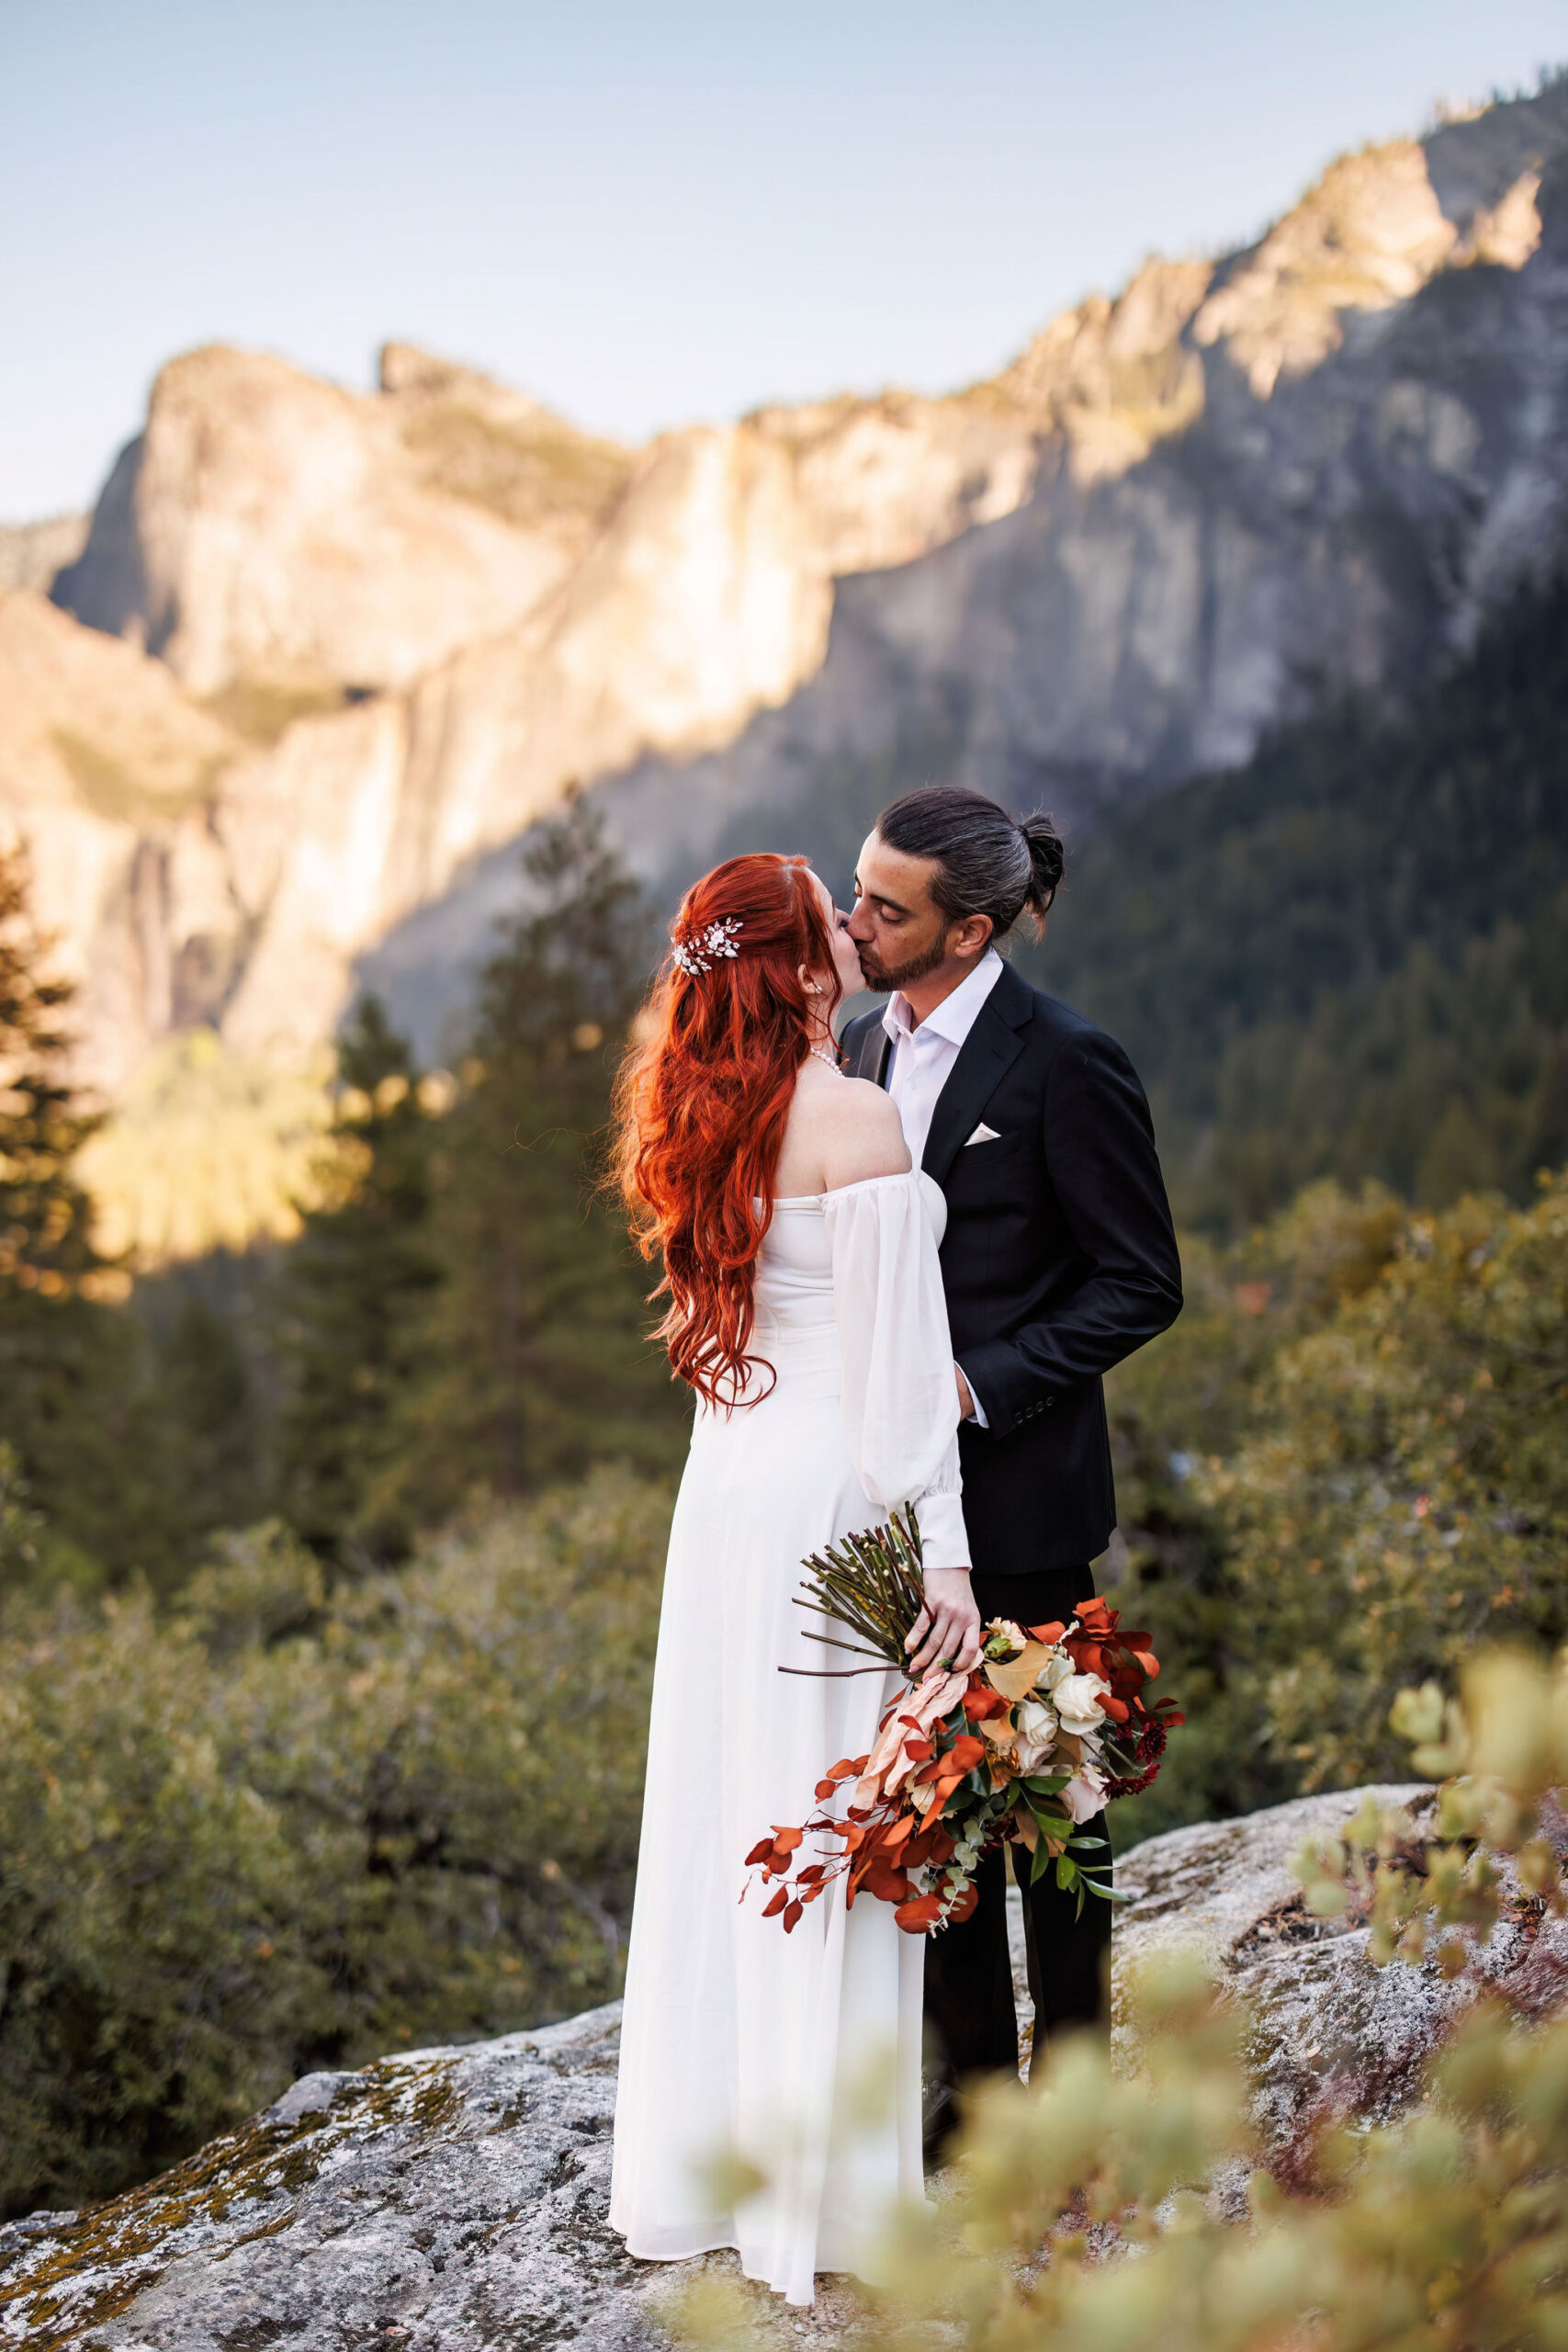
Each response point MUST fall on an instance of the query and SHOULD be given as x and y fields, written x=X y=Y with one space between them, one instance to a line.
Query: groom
x=1059 y=1260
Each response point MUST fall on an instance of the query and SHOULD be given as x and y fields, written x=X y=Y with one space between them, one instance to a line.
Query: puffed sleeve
x=901 y=1398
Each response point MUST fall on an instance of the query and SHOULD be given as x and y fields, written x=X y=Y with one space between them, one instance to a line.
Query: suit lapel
x=871 y=1050
x=985 y=1055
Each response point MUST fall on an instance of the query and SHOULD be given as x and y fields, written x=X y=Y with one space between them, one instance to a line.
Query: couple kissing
x=894 y=1266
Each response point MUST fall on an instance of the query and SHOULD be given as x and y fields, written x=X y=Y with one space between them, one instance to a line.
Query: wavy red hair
x=702 y=1103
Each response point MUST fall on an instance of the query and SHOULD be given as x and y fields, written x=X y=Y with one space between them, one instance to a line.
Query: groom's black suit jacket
x=1058 y=1261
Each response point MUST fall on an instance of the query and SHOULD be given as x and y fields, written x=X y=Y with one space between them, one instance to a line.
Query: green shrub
x=1367 y=1409
x=287 y=1830
x=1405 y=1493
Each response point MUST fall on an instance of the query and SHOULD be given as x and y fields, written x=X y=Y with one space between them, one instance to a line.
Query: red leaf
x=811 y=1874
x=791 y=1915
x=964 y=1908
x=786 y=1841
x=917 y=1917
x=888 y=1886
x=777 y=1905
x=824 y=1789
x=759 y=1852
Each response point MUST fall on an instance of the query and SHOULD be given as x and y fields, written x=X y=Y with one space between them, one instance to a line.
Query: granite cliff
x=323 y=657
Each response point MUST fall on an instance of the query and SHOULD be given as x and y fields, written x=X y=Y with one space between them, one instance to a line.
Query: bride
x=805 y=1310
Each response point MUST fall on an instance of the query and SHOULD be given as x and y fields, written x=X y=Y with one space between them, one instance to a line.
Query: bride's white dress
x=798 y=2054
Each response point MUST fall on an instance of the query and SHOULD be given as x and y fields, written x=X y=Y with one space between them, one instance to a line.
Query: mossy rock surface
x=455 y=2197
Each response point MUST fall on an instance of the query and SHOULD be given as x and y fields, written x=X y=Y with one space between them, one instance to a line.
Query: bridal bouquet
x=1051 y=1725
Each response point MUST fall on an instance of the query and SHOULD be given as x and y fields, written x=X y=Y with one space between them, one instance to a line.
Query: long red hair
x=701 y=1104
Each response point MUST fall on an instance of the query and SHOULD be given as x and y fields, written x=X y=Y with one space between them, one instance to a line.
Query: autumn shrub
x=286 y=1828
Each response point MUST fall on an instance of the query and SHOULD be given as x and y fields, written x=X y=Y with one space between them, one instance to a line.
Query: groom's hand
x=948 y=1627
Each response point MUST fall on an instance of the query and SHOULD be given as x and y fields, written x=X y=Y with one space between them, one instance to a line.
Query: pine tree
x=538 y=1356
x=46 y=1244
x=76 y=1408
x=353 y=1294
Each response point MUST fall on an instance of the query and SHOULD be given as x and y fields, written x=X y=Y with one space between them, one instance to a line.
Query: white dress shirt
x=922 y=1056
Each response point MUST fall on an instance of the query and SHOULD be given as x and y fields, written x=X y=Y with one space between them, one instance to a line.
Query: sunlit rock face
x=402 y=624
x=107 y=772
x=267 y=527
x=459 y=2197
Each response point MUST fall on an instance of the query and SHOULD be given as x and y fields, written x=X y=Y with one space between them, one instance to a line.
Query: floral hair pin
x=698 y=951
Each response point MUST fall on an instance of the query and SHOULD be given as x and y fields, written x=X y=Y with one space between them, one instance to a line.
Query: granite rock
x=458 y=2198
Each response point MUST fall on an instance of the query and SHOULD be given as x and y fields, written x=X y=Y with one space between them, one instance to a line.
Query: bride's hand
x=948 y=1627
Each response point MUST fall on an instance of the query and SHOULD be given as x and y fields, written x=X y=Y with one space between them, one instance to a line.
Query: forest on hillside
x=329 y=1577
x=1349 y=958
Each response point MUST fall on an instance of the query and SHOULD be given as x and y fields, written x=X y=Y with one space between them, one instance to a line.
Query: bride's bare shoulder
x=840 y=1131
x=862 y=1135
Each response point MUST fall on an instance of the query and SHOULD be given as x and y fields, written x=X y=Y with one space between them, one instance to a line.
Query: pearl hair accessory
x=697 y=952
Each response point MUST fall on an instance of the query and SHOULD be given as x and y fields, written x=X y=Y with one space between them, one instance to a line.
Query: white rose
x=1078 y=1699
x=1036 y=1733
x=1085 y=1792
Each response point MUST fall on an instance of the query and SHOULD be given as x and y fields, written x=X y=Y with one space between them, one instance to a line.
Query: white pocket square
x=983 y=1134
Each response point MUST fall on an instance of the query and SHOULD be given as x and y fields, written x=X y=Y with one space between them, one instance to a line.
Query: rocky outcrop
x=459 y=2197
x=1332 y=2035
x=268 y=527
x=1178 y=517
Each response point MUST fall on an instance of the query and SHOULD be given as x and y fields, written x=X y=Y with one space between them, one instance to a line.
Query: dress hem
x=728 y=2246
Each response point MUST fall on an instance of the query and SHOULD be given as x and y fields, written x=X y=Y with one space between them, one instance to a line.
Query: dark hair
x=986 y=862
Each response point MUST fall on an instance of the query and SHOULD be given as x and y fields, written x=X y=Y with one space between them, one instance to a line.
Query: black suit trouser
x=971 y=2022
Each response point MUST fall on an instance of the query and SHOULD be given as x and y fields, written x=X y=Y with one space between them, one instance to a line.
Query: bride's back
x=840 y=1131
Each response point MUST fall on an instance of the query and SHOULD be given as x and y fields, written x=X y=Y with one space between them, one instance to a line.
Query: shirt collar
x=955 y=1015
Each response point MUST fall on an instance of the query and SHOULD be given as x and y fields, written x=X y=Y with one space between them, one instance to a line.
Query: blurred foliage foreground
x=277 y=1829
x=1105 y=2212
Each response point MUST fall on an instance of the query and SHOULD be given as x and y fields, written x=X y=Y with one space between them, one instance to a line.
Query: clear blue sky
x=649 y=213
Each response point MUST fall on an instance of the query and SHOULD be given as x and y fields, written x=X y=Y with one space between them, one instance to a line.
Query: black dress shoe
x=940 y=2121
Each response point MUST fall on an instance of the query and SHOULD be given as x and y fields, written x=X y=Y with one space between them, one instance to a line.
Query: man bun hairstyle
x=986 y=862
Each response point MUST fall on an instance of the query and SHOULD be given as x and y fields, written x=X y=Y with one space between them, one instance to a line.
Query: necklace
x=822 y=1054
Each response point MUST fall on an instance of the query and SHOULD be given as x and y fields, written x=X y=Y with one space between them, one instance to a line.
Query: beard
x=884 y=978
